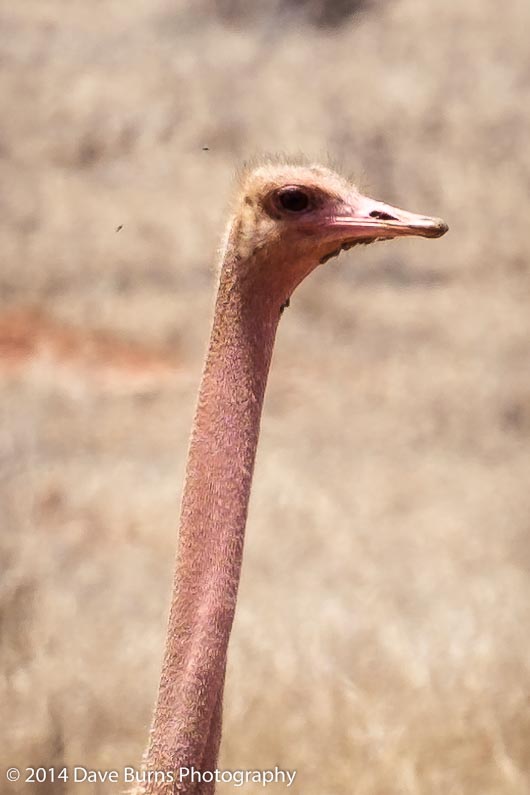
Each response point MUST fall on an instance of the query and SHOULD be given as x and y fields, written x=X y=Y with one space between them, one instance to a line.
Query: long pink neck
x=187 y=722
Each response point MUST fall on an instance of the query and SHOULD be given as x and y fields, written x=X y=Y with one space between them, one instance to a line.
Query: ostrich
x=286 y=220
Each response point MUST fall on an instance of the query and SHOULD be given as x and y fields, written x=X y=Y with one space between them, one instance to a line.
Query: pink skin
x=267 y=254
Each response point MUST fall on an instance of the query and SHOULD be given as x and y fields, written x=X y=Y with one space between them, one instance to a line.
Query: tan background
x=381 y=642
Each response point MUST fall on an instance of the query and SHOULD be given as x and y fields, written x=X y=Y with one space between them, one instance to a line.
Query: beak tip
x=440 y=228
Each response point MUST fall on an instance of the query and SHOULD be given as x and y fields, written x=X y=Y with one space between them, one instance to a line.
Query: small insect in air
x=119 y=228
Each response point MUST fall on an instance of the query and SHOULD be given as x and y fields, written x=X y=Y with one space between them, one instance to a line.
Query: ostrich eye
x=294 y=200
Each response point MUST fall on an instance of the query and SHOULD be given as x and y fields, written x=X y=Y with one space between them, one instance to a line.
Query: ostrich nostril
x=382 y=216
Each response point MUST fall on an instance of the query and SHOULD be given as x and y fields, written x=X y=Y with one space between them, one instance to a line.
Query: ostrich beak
x=365 y=220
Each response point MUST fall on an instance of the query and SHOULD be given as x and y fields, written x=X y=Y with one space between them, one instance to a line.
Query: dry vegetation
x=381 y=645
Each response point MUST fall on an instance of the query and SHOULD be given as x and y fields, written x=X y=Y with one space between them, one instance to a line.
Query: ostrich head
x=289 y=219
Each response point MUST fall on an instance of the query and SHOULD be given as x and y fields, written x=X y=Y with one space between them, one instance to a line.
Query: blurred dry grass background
x=381 y=642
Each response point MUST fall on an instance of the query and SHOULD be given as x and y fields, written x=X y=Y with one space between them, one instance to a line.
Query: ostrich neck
x=186 y=727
